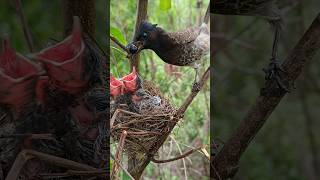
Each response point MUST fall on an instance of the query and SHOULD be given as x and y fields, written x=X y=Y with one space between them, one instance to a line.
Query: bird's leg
x=196 y=85
x=274 y=69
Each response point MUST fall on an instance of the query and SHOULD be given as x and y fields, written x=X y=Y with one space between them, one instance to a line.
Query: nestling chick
x=122 y=89
x=182 y=48
x=18 y=77
x=66 y=62
x=144 y=102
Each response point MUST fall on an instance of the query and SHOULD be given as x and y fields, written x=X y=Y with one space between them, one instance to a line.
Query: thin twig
x=25 y=155
x=141 y=16
x=73 y=173
x=193 y=94
x=28 y=135
x=115 y=40
x=207 y=15
x=146 y=133
x=245 y=29
x=115 y=168
x=120 y=165
x=26 y=29
x=183 y=160
x=183 y=155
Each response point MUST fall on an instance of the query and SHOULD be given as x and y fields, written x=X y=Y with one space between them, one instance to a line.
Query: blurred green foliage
x=45 y=20
x=282 y=148
x=194 y=128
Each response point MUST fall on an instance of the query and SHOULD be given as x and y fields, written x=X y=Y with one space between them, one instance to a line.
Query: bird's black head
x=145 y=37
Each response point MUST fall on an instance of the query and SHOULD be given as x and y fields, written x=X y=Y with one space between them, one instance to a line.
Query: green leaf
x=116 y=32
x=165 y=5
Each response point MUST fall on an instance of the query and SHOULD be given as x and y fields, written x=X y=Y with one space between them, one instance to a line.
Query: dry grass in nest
x=143 y=129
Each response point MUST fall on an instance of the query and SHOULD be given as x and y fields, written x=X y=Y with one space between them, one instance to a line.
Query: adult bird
x=266 y=9
x=181 y=48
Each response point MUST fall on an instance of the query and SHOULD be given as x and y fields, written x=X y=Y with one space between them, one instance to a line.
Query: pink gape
x=116 y=86
x=18 y=77
x=126 y=84
x=65 y=62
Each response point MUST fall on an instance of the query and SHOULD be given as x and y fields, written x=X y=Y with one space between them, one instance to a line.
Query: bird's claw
x=273 y=73
x=196 y=87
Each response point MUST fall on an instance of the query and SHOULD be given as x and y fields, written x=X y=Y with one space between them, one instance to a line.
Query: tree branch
x=206 y=18
x=137 y=171
x=193 y=94
x=142 y=10
x=115 y=40
x=115 y=168
x=185 y=154
x=226 y=161
x=85 y=9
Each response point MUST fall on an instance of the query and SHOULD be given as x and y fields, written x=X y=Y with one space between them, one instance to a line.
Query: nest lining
x=144 y=129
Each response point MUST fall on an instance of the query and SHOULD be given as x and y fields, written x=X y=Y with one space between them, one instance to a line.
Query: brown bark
x=225 y=164
x=142 y=10
x=85 y=9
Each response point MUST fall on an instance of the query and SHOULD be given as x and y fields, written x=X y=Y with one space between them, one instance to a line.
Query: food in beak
x=135 y=47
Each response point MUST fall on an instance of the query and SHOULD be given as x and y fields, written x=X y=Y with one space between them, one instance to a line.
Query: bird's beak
x=130 y=81
x=135 y=47
x=116 y=86
x=18 y=76
x=65 y=61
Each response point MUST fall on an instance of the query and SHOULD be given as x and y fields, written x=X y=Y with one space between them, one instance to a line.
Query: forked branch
x=226 y=161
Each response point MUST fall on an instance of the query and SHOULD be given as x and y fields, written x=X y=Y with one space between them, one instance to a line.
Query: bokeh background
x=45 y=19
x=287 y=147
x=174 y=82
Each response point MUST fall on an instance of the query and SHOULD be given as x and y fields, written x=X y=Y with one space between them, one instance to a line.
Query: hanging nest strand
x=145 y=128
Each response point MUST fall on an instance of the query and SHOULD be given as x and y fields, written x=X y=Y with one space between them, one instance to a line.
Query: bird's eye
x=144 y=35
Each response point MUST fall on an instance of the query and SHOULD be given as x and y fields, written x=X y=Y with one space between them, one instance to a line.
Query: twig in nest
x=146 y=133
x=156 y=143
x=28 y=135
x=115 y=168
x=3 y=119
x=25 y=155
x=187 y=153
x=74 y=173
x=119 y=44
x=119 y=164
x=26 y=30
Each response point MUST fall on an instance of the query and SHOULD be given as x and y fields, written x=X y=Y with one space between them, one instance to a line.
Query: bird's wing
x=185 y=36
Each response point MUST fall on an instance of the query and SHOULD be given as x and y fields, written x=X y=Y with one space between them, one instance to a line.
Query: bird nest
x=145 y=128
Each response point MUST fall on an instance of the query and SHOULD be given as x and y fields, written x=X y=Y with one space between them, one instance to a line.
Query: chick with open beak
x=18 y=78
x=65 y=62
